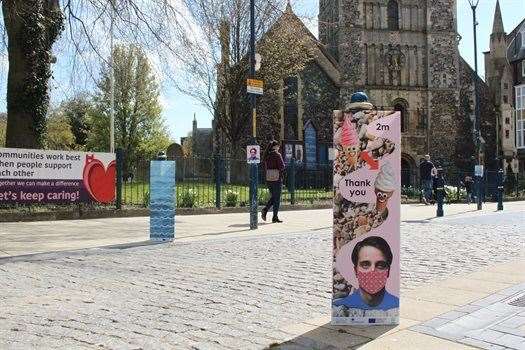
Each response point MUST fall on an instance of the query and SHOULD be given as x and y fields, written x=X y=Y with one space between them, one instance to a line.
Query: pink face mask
x=372 y=281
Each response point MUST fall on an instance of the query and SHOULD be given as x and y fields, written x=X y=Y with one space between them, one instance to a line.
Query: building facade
x=404 y=54
x=505 y=75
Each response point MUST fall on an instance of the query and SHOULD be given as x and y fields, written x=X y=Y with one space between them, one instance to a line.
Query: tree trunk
x=32 y=27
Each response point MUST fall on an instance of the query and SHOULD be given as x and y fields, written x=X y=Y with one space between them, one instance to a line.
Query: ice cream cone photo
x=350 y=142
x=385 y=185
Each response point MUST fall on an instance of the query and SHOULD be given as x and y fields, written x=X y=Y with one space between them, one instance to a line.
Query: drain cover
x=520 y=301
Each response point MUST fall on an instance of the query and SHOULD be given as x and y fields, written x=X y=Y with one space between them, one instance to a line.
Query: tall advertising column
x=367 y=183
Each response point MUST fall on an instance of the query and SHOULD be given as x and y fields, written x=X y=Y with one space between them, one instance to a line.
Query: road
x=219 y=293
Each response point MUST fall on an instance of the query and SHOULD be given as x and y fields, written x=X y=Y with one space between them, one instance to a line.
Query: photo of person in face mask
x=372 y=259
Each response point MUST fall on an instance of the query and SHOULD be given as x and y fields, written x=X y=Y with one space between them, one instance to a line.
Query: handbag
x=273 y=175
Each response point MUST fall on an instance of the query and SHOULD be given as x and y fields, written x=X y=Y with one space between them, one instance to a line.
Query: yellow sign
x=255 y=86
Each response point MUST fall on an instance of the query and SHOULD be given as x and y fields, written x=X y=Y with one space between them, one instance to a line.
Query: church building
x=404 y=55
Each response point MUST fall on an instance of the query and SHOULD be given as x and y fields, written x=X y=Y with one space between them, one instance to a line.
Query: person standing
x=425 y=172
x=274 y=165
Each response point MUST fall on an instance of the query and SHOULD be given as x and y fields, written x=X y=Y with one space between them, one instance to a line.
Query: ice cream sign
x=367 y=184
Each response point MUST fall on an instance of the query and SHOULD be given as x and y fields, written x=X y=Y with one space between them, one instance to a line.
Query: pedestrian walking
x=426 y=170
x=274 y=165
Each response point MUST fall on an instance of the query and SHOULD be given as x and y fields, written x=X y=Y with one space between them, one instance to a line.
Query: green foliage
x=187 y=199
x=77 y=110
x=263 y=197
x=35 y=25
x=410 y=192
x=3 y=127
x=139 y=127
x=59 y=135
x=232 y=198
x=145 y=199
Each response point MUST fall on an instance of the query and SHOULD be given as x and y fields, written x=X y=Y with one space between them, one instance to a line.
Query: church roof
x=321 y=55
x=497 y=26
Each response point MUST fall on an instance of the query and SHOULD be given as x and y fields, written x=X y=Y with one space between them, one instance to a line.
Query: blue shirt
x=354 y=301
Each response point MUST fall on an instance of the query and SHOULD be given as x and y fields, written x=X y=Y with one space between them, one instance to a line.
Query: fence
x=514 y=185
x=219 y=182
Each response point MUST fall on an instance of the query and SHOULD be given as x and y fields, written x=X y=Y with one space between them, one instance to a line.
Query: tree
x=31 y=27
x=3 y=126
x=217 y=62
x=139 y=126
x=59 y=134
x=77 y=110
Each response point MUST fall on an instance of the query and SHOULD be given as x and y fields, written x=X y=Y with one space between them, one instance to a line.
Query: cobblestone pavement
x=233 y=293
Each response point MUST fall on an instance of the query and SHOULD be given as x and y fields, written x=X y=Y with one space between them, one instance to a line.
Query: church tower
x=499 y=79
x=404 y=54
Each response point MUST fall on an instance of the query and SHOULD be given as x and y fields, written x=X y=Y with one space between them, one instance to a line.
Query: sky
x=179 y=110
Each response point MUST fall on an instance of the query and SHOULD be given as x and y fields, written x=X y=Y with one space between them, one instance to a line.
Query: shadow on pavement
x=248 y=225
x=328 y=337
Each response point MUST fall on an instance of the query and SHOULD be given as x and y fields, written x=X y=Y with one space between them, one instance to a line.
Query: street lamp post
x=479 y=185
x=254 y=168
x=111 y=81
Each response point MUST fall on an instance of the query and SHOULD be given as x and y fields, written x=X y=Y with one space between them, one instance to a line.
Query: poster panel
x=253 y=154
x=162 y=200
x=367 y=183
x=29 y=176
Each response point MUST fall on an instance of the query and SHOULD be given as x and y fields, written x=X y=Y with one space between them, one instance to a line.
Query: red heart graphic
x=100 y=182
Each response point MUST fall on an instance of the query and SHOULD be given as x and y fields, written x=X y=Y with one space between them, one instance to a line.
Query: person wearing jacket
x=274 y=165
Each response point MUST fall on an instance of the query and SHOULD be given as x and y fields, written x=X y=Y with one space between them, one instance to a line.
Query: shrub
x=231 y=198
x=187 y=199
x=264 y=197
x=145 y=199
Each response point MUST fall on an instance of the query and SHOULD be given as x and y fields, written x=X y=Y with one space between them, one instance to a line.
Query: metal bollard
x=440 y=192
x=500 y=189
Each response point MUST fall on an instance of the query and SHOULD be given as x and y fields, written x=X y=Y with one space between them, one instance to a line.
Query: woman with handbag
x=274 y=164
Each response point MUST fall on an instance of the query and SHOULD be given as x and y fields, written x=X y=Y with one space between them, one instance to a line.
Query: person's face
x=427 y=158
x=371 y=259
x=276 y=148
x=253 y=152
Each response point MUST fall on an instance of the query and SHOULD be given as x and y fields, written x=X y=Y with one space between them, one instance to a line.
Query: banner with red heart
x=100 y=181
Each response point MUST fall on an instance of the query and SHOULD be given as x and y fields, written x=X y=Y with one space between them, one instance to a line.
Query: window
x=505 y=99
x=520 y=116
x=393 y=15
x=507 y=134
x=290 y=108
x=402 y=106
x=505 y=85
x=507 y=121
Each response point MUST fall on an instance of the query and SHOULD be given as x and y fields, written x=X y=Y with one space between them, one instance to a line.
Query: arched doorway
x=408 y=171
x=401 y=105
x=405 y=173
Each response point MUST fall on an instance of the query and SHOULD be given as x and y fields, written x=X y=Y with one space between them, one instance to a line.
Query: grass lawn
x=198 y=194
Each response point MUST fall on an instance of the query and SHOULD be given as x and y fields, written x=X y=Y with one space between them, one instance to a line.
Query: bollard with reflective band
x=500 y=189
x=440 y=192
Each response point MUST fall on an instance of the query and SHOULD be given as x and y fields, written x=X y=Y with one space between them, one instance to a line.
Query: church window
x=290 y=108
x=393 y=15
x=402 y=106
